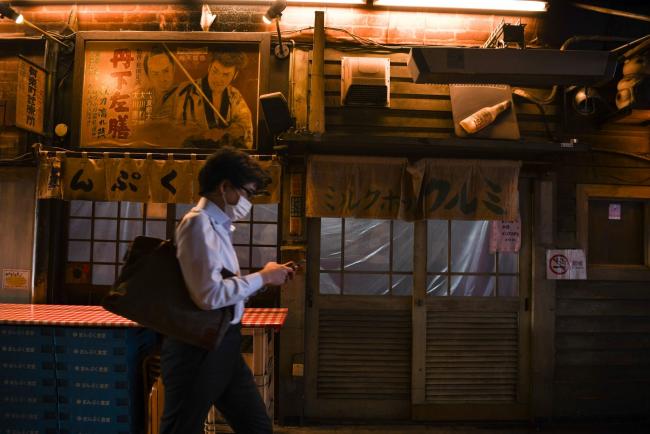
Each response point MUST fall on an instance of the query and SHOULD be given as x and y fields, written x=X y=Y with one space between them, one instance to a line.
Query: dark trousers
x=195 y=379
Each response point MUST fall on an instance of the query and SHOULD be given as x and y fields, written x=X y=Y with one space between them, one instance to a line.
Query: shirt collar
x=215 y=213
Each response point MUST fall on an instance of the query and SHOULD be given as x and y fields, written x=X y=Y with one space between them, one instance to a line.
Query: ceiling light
x=274 y=11
x=7 y=11
x=331 y=2
x=493 y=5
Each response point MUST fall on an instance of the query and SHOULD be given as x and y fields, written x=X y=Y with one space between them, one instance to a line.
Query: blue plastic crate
x=21 y=334
x=98 y=401
x=26 y=369
x=72 y=428
x=26 y=416
x=28 y=350
x=77 y=424
x=94 y=335
x=95 y=368
x=17 y=400
x=42 y=429
x=85 y=386
x=97 y=407
x=32 y=428
x=100 y=353
x=27 y=385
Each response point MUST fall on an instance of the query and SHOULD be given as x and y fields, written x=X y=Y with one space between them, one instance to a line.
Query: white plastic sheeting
x=367 y=265
x=355 y=259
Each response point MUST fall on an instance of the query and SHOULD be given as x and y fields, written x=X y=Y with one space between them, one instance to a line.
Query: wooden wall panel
x=416 y=110
x=602 y=362
x=602 y=328
x=18 y=198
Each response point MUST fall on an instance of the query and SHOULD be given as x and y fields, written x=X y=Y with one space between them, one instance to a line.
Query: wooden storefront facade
x=550 y=350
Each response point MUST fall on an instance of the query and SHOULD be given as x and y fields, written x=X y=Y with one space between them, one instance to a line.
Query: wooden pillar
x=292 y=296
x=317 y=96
x=543 y=304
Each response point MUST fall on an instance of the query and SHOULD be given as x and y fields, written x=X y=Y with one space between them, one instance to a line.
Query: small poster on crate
x=15 y=279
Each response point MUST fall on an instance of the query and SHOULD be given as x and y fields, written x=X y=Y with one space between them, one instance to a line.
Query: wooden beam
x=317 y=95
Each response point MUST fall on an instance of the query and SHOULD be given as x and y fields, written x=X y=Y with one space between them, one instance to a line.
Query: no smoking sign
x=566 y=264
x=558 y=264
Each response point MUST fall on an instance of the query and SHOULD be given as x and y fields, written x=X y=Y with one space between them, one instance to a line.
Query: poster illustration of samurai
x=153 y=94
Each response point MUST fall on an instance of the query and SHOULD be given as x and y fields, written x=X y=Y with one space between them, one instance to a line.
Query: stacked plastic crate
x=99 y=378
x=28 y=398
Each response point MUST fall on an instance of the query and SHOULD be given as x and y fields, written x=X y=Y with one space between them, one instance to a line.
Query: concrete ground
x=595 y=428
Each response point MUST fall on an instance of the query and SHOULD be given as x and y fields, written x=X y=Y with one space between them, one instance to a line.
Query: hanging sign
x=84 y=178
x=127 y=180
x=567 y=264
x=135 y=180
x=30 y=97
x=368 y=187
x=505 y=236
x=389 y=188
x=49 y=177
x=196 y=165
x=170 y=181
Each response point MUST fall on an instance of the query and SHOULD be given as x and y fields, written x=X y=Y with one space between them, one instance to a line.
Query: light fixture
x=492 y=5
x=318 y=2
x=332 y=2
x=274 y=11
x=6 y=11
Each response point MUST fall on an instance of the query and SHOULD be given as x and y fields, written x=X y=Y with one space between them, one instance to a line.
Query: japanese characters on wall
x=169 y=94
x=30 y=97
x=133 y=179
x=396 y=188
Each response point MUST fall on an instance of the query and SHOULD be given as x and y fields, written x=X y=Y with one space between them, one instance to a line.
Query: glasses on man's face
x=249 y=192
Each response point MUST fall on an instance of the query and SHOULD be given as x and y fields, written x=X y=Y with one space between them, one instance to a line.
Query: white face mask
x=240 y=210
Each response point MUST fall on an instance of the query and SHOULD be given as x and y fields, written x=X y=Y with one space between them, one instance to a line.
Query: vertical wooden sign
x=30 y=97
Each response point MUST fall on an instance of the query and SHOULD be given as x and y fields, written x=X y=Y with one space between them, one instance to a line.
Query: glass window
x=79 y=229
x=437 y=245
x=367 y=245
x=366 y=257
x=473 y=270
x=99 y=234
x=256 y=238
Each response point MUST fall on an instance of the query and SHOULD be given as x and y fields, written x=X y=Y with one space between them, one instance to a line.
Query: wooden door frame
x=338 y=409
x=520 y=410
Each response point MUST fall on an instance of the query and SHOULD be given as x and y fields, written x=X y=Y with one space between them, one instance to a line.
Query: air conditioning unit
x=365 y=81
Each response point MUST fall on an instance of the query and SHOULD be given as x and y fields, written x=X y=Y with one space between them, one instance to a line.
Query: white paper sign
x=505 y=236
x=568 y=264
x=614 y=211
x=15 y=279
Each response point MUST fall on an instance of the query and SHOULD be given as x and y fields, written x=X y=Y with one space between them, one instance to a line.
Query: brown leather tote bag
x=150 y=290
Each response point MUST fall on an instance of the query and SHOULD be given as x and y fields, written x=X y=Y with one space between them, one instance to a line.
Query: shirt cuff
x=255 y=282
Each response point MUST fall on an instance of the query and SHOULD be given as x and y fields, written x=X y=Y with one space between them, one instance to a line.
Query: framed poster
x=169 y=90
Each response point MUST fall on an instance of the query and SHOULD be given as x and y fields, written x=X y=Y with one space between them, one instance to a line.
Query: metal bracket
x=506 y=35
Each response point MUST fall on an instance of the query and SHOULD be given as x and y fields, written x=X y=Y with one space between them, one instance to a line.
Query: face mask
x=238 y=211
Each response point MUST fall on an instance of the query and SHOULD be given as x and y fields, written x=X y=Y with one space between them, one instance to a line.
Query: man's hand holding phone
x=277 y=274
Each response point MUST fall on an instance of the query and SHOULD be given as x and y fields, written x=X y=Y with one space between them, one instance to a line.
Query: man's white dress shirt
x=204 y=248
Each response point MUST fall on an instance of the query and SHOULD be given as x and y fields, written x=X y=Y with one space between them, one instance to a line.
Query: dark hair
x=233 y=165
x=155 y=51
x=230 y=58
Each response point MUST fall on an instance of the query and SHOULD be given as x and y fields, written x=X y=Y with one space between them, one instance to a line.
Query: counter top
x=97 y=316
